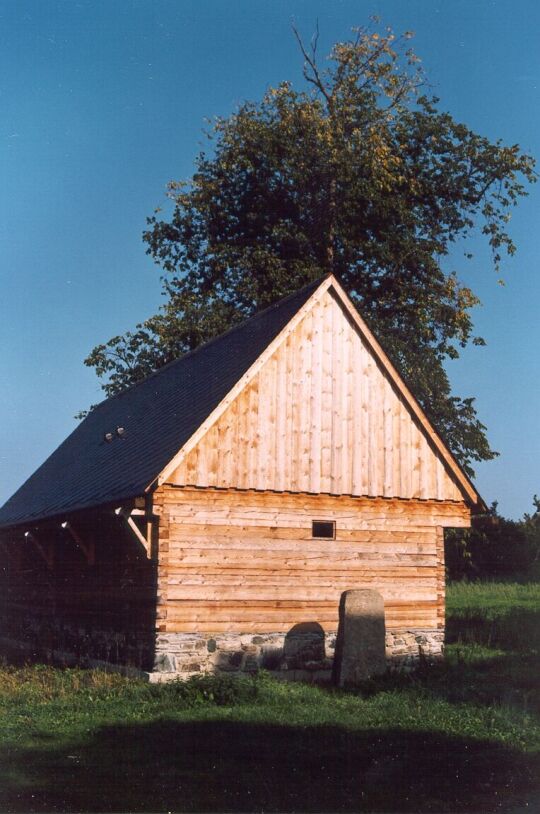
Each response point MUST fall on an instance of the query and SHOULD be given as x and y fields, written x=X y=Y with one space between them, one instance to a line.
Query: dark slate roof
x=159 y=415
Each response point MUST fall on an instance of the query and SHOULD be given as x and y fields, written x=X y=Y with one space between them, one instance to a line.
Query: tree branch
x=315 y=79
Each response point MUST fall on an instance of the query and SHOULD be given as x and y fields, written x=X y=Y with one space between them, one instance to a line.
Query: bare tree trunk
x=331 y=237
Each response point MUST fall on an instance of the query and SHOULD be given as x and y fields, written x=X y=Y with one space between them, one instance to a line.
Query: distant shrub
x=201 y=690
x=495 y=547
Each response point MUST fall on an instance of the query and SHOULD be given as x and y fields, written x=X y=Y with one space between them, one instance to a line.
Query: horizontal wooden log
x=234 y=601
x=187 y=501
x=211 y=627
x=179 y=572
x=275 y=579
x=289 y=616
x=215 y=545
x=215 y=554
x=346 y=521
x=277 y=533
x=275 y=593
x=295 y=559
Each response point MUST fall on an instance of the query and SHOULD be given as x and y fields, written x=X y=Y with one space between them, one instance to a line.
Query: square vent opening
x=323 y=529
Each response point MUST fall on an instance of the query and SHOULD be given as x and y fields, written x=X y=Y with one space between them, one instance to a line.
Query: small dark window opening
x=323 y=528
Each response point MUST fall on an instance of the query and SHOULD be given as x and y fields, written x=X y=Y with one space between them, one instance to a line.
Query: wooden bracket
x=146 y=542
x=88 y=549
x=46 y=553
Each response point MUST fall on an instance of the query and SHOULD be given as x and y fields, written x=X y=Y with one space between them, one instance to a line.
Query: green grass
x=461 y=736
x=495 y=614
x=492 y=598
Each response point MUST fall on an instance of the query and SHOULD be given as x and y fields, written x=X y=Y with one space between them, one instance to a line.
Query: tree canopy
x=359 y=173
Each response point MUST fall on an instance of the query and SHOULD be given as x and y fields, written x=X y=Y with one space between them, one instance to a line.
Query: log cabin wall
x=68 y=610
x=243 y=583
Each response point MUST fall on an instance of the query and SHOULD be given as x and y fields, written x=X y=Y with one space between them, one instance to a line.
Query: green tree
x=360 y=174
x=495 y=547
x=531 y=528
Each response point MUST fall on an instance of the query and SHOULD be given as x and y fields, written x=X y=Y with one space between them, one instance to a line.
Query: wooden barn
x=210 y=517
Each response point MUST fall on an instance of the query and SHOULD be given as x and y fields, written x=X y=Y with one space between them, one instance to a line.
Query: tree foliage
x=495 y=547
x=358 y=173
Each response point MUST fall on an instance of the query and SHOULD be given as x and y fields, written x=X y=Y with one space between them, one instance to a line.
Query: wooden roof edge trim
x=71 y=512
x=463 y=480
x=243 y=382
x=348 y=495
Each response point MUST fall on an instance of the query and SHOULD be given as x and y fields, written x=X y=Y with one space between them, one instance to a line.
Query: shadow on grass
x=222 y=765
x=516 y=629
x=508 y=680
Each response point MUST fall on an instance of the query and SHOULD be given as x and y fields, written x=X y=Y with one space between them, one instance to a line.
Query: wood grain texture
x=320 y=415
x=268 y=507
x=245 y=561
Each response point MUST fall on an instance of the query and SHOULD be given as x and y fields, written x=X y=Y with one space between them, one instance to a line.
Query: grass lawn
x=462 y=736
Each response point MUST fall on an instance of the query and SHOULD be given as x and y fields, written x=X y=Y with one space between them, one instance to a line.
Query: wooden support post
x=146 y=542
x=47 y=554
x=88 y=549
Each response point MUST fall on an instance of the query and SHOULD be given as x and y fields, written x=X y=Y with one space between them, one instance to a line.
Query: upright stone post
x=360 y=646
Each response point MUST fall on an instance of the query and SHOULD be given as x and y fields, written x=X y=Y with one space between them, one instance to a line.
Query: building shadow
x=517 y=630
x=304 y=646
x=223 y=765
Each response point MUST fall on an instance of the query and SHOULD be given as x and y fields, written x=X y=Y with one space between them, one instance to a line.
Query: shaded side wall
x=71 y=611
x=241 y=578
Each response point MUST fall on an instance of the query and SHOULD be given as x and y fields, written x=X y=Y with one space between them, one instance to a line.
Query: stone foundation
x=59 y=642
x=304 y=654
x=405 y=649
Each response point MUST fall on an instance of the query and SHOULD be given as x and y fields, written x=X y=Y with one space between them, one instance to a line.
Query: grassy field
x=463 y=736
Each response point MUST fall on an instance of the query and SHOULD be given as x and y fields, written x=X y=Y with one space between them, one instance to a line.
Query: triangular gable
x=322 y=410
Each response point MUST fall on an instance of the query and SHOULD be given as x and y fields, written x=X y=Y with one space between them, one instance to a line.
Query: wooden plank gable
x=322 y=413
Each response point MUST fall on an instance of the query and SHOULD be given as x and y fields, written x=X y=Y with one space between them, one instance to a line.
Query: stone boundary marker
x=360 y=645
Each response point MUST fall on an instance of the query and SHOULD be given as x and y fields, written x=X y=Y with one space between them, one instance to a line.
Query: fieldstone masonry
x=406 y=648
x=305 y=652
x=40 y=639
x=305 y=655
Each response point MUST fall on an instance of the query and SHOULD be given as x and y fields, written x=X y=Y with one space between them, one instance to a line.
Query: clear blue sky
x=103 y=102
